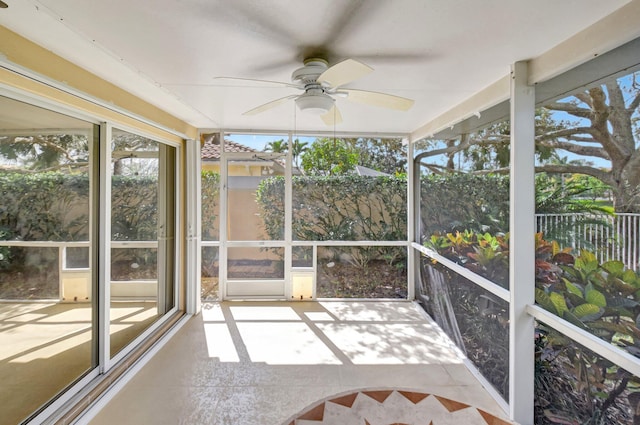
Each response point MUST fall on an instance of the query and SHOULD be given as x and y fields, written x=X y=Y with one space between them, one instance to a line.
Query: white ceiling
x=168 y=52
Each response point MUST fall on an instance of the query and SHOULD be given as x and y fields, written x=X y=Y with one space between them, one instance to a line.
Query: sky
x=259 y=142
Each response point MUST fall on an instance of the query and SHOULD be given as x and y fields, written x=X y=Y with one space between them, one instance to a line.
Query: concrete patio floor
x=262 y=363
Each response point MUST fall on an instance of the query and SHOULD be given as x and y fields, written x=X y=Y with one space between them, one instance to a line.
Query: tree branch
x=449 y=149
x=577 y=149
x=567 y=132
x=602 y=175
x=634 y=103
x=504 y=170
x=569 y=108
x=438 y=169
x=74 y=165
x=585 y=97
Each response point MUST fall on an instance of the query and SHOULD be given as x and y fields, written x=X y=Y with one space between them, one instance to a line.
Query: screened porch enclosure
x=453 y=243
x=176 y=247
x=295 y=230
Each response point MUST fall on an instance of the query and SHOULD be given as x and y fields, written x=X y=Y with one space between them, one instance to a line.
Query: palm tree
x=277 y=146
x=298 y=149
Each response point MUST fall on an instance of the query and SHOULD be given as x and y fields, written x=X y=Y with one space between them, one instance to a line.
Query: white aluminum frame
x=106 y=144
x=104 y=249
x=485 y=284
x=521 y=246
x=225 y=243
x=288 y=243
x=193 y=262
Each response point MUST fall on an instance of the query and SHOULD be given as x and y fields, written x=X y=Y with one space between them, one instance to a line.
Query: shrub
x=601 y=298
x=210 y=198
x=457 y=202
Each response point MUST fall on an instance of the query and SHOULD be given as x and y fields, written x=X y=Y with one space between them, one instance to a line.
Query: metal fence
x=610 y=237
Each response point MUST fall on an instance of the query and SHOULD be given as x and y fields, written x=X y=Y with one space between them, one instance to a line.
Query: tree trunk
x=613 y=129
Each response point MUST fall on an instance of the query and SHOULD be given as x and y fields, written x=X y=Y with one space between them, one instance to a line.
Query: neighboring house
x=211 y=152
x=361 y=170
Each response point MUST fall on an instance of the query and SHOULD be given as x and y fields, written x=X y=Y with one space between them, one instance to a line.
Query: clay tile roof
x=211 y=150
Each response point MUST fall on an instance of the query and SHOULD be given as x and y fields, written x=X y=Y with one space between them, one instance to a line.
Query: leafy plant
x=601 y=298
x=482 y=253
x=329 y=157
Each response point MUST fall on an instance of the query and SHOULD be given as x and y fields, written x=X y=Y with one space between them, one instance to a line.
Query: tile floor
x=266 y=363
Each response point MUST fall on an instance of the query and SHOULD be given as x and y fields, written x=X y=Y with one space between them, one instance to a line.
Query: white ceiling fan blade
x=344 y=72
x=332 y=116
x=378 y=99
x=269 y=105
x=262 y=82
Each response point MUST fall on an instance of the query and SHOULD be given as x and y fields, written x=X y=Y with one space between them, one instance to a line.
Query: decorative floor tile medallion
x=392 y=407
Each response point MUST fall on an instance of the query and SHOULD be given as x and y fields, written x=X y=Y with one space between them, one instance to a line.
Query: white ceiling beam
x=608 y=33
x=474 y=105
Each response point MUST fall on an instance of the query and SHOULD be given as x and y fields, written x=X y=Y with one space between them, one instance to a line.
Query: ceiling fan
x=322 y=84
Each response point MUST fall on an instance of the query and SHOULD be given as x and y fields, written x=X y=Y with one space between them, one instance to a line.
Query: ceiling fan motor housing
x=310 y=72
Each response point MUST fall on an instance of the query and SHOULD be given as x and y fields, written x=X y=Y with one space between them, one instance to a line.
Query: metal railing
x=609 y=237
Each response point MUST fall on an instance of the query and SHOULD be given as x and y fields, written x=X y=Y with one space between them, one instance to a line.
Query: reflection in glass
x=31 y=274
x=47 y=309
x=131 y=264
x=142 y=226
x=475 y=320
x=362 y=272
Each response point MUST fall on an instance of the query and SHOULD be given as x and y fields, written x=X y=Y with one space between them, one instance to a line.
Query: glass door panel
x=142 y=226
x=47 y=264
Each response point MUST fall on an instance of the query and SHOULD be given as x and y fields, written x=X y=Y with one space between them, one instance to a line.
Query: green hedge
x=53 y=206
x=210 y=198
x=461 y=202
x=350 y=207
x=337 y=207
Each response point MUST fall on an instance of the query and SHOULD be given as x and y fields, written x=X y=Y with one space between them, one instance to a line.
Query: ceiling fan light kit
x=316 y=103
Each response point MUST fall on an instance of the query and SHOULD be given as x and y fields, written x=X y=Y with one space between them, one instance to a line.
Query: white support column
x=522 y=247
x=411 y=228
x=193 y=196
